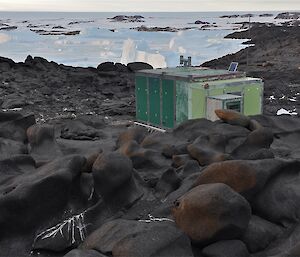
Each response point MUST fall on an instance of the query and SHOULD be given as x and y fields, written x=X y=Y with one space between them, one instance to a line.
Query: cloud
x=147 y=5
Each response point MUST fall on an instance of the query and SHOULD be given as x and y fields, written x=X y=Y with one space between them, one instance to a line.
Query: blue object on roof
x=233 y=66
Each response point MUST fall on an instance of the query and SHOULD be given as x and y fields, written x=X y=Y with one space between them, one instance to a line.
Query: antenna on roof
x=249 y=36
x=186 y=62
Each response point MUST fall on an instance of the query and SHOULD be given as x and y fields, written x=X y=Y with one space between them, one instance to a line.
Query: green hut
x=167 y=97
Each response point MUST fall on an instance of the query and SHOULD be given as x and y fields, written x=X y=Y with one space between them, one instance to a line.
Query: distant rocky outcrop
x=230 y=16
x=7 y=27
x=55 y=32
x=125 y=18
x=160 y=29
x=288 y=15
x=80 y=22
x=201 y=22
x=266 y=15
x=247 y=15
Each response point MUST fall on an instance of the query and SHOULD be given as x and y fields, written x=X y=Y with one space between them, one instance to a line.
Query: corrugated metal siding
x=197 y=103
x=154 y=101
x=252 y=99
x=141 y=93
x=181 y=102
x=168 y=107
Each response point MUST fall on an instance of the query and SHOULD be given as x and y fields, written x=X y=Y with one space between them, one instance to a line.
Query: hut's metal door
x=154 y=101
x=141 y=92
x=168 y=96
x=253 y=99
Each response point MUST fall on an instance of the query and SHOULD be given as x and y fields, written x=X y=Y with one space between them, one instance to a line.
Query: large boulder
x=232 y=248
x=84 y=253
x=9 y=148
x=114 y=181
x=212 y=212
x=14 y=166
x=14 y=125
x=106 y=66
x=129 y=238
x=31 y=199
x=136 y=66
x=278 y=200
x=78 y=130
x=260 y=233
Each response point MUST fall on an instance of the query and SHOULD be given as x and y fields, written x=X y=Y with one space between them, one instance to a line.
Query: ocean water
x=102 y=39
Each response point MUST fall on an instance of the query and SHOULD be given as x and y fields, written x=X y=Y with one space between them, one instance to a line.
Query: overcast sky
x=148 y=5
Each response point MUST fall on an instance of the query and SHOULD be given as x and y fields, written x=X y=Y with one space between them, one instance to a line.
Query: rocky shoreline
x=78 y=179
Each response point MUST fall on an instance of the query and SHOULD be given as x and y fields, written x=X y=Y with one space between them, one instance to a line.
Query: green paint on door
x=182 y=107
x=141 y=93
x=252 y=99
x=154 y=100
x=198 y=103
x=168 y=103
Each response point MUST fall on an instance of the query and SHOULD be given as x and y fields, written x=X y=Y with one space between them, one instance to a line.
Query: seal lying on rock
x=114 y=181
x=212 y=212
x=233 y=117
x=245 y=177
x=43 y=145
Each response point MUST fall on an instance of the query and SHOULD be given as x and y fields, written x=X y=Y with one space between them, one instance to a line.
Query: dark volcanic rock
x=288 y=15
x=106 y=66
x=260 y=233
x=247 y=15
x=9 y=28
x=31 y=199
x=77 y=130
x=13 y=125
x=266 y=15
x=278 y=200
x=126 y=18
x=138 y=238
x=13 y=101
x=230 y=16
x=135 y=66
x=157 y=29
x=212 y=212
x=84 y=253
x=201 y=22
x=232 y=248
